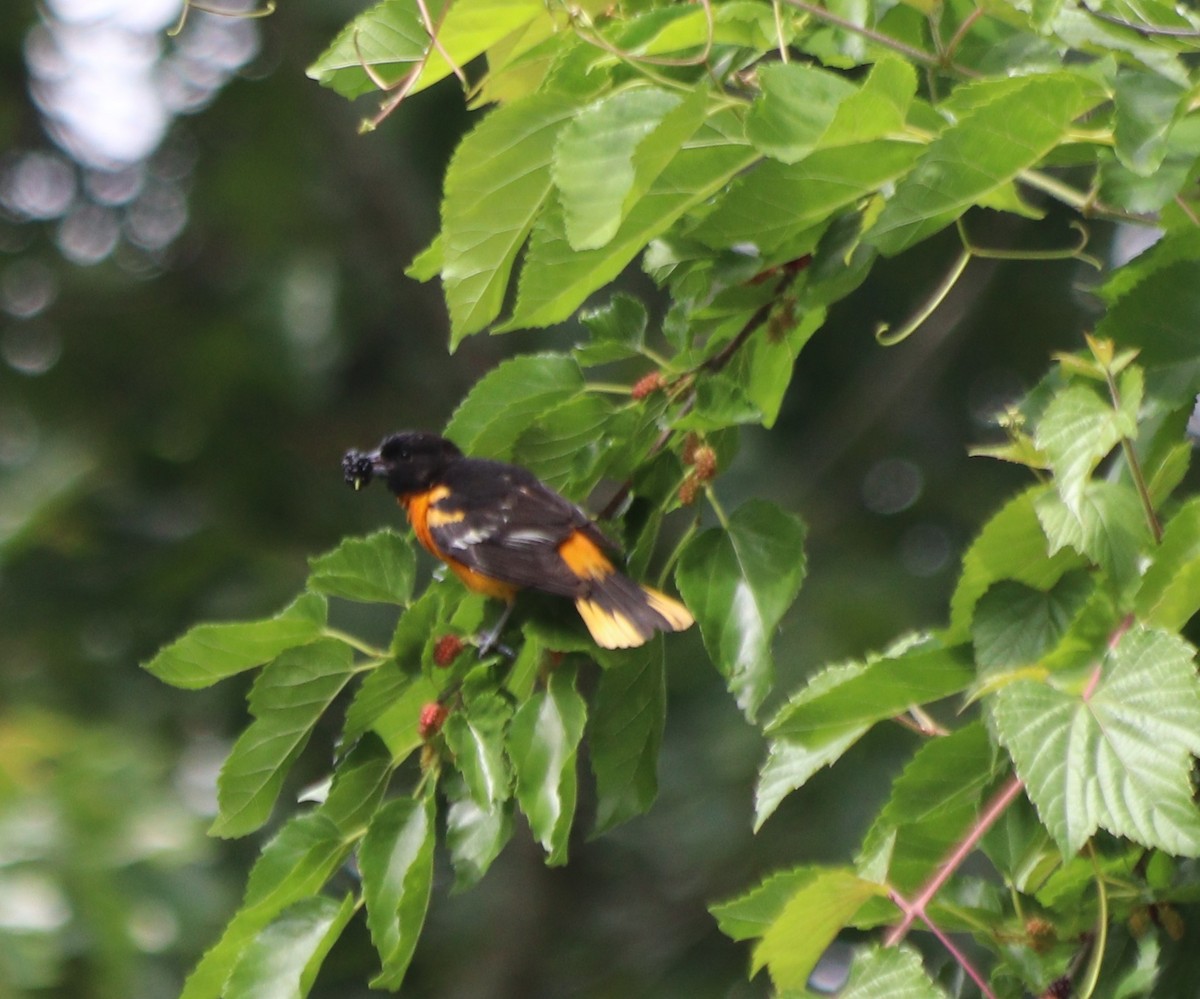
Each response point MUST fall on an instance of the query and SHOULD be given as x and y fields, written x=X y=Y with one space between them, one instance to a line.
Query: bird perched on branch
x=502 y=530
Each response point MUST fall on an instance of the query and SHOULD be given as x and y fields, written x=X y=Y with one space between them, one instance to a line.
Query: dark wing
x=501 y=521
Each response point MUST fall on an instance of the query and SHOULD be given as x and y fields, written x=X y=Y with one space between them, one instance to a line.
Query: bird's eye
x=404 y=454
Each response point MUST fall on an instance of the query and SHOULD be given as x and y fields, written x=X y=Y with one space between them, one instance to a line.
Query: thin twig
x=1135 y=466
x=962 y=959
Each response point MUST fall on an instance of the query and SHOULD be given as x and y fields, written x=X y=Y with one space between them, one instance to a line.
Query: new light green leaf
x=892 y=972
x=1146 y=105
x=1169 y=594
x=293 y=866
x=283 y=960
x=839 y=705
x=594 y=160
x=987 y=147
x=378 y=568
x=396 y=861
x=628 y=719
x=1108 y=527
x=287 y=700
x=1077 y=431
x=496 y=187
x=1016 y=624
x=738 y=582
x=807 y=924
x=1116 y=755
x=543 y=742
x=749 y=915
x=796 y=107
x=210 y=652
x=1012 y=546
x=877 y=109
x=509 y=399
x=556 y=279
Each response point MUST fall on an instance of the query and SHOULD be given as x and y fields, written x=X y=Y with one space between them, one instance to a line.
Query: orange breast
x=422 y=513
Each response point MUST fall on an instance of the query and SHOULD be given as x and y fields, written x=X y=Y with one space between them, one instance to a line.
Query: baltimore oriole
x=501 y=530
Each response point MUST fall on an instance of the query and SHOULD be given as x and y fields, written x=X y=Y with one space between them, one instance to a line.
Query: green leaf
x=1013 y=546
x=738 y=583
x=807 y=924
x=749 y=915
x=543 y=741
x=475 y=836
x=795 y=109
x=991 y=142
x=389 y=39
x=1016 y=624
x=556 y=279
x=1109 y=529
x=1159 y=315
x=210 y=652
x=894 y=972
x=775 y=202
x=1146 y=108
x=1170 y=591
x=283 y=960
x=357 y=787
x=287 y=700
x=839 y=705
x=396 y=861
x=618 y=331
x=378 y=568
x=932 y=804
x=721 y=401
x=598 y=155
x=293 y=866
x=496 y=186
x=766 y=363
x=1115 y=754
x=879 y=108
x=1077 y=430
x=627 y=728
x=510 y=397
x=475 y=735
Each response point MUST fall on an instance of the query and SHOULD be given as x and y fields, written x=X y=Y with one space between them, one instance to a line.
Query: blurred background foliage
x=201 y=306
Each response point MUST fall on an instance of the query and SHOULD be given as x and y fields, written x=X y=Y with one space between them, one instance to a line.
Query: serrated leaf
x=1016 y=624
x=542 y=743
x=555 y=279
x=628 y=718
x=475 y=735
x=396 y=861
x=211 y=652
x=502 y=405
x=1117 y=756
x=617 y=329
x=357 y=787
x=496 y=187
x=287 y=700
x=796 y=107
x=775 y=202
x=807 y=924
x=1170 y=591
x=566 y=447
x=987 y=147
x=766 y=364
x=475 y=836
x=1012 y=546
x=893 y=972
x=738 y=582
x=283 y=960
x=838 y=706
x=389 y=38
x=1109 y=529
x=721 y=401
x=1146 y=107
x=878 y=108
x=594 y=166
x=293 y=866
x=1076 y=432
x=1159 y=315
x=378 y=568
x=749 y=915
x=931 y=805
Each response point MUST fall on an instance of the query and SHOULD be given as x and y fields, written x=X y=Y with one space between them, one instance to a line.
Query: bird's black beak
x=359 y=467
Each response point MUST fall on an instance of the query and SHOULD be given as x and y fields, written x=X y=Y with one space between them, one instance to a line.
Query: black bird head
x=409 y=462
